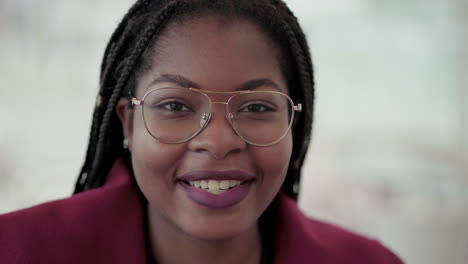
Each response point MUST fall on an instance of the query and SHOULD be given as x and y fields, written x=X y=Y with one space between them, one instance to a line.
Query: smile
x=216 y=189
x=215 y=186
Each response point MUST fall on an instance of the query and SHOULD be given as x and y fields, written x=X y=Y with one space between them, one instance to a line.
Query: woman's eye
x=174 y=106
x=256 y=108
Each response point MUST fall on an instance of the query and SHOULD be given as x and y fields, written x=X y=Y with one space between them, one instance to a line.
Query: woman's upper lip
x=236 y=175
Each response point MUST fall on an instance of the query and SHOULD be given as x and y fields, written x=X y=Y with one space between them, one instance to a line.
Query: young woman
x=199 y=133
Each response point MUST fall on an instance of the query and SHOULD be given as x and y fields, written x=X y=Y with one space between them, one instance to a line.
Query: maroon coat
x=107 y=225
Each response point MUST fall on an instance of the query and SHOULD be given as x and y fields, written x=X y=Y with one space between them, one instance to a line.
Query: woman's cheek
x=275 y=162
x=155 y=164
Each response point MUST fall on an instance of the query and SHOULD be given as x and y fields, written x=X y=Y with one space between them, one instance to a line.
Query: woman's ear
x=125 y=114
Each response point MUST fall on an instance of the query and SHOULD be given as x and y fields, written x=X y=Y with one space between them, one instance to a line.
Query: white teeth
x=214 y=186
x=204 y=184
x=224 y=185
x=234 y=183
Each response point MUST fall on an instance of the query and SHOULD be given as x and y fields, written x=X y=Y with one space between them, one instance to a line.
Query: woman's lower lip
x=216 y=201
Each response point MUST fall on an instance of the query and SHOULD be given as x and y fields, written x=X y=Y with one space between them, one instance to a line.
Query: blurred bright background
x=389 y=156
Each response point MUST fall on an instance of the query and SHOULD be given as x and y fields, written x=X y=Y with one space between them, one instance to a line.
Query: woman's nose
x=217 y=138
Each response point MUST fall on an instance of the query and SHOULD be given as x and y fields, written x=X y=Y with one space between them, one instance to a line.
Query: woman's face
x=214 y=57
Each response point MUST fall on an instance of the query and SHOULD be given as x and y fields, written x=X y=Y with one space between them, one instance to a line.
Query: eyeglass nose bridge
x=206 y=116
x=219 y=102
x=229 y=115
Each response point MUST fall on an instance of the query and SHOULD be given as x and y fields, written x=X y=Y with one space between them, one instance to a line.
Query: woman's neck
x=169 y=244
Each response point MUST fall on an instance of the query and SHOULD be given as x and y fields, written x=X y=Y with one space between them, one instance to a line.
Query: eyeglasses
x=176 y=115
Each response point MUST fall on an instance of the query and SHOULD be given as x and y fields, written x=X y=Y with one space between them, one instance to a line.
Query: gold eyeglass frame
x=206 y=117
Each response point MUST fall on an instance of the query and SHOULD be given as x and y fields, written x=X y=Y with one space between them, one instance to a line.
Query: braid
x=107 y=63
x=126 y=51
x=128 y=67
x=100 y=134
x=112 y=48
x=308 y=93
x=296 y=40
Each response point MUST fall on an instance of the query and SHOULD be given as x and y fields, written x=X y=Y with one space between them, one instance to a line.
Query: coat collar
x=104 y=225
x=108 y=225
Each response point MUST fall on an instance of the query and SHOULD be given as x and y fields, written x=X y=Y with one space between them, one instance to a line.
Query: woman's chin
x=199 y=223
x=208 y=222
x=216 y=231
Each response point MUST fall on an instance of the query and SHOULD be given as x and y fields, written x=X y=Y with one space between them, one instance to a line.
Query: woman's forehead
x=214 y=54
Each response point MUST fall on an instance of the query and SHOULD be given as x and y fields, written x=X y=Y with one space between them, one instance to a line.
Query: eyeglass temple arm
x=298 y=107
x=135 y=101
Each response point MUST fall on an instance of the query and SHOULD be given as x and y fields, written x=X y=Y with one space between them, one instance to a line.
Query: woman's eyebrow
x=255 y=83
x=185 y=82
x=176 y=79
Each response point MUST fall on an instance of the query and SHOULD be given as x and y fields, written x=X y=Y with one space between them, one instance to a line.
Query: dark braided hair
x=126 y=56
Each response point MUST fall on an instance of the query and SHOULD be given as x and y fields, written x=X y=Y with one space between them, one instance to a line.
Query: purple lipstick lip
x=222 y=200
x=216 y=201
x=236 y=175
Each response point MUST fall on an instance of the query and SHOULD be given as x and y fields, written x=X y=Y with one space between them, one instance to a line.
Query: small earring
x=125 y=143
